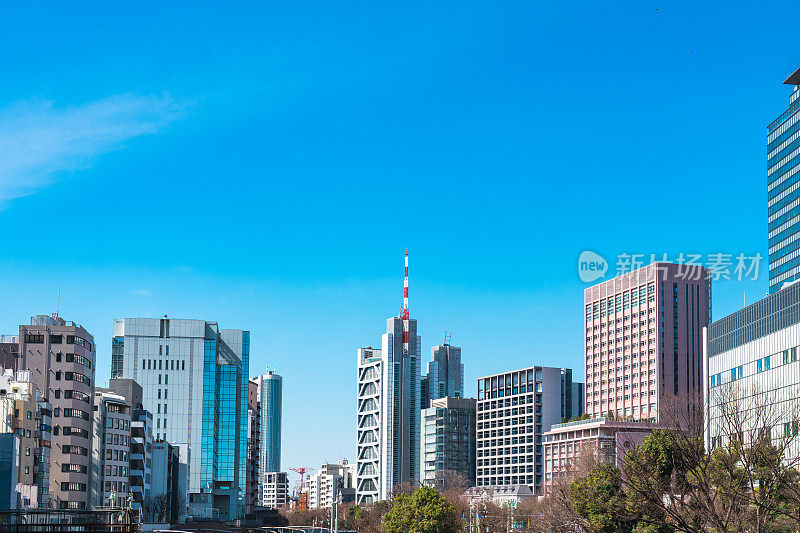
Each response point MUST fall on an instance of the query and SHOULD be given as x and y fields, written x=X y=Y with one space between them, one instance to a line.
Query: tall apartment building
x=60 y=356
x=253 y=445
x=194 y=378
x=22 y=414
x=270 y=392
x=111 y=445
x=783 y=191
x=333 y=481
x=445 y=375
x=448 y=441
x=514 y=410
x=644 y=352
x=388 y=409
x=753 y=353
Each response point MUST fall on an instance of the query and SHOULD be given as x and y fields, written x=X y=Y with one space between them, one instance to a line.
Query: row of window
x=74 y=358
x=116 y=455
x=74 y=376
x=72 y=431
x=114 y=470
x=73 y=485
x=116 y=438
x=75 y=449
x=69 y=467
x=761 y=365
x=72 y=394
x=117 y=423
x=158 y=364
x=38 y=338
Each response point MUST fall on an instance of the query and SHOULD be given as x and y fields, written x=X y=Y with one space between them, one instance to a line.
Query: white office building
x=753 y=358
x=388 y=413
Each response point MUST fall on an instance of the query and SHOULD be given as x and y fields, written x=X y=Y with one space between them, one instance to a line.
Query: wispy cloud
x=39 y=141
x=141 y=292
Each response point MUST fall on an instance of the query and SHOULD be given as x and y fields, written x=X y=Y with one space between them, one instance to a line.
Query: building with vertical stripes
x=644 y=354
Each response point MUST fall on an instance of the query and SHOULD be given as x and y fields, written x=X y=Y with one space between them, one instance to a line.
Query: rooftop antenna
x=405 y=308
x=58 y=305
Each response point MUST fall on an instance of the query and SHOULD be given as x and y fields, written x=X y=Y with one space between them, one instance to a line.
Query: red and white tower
x=405 y=309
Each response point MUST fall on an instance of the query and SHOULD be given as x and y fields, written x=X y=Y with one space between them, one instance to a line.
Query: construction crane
x=302 y=471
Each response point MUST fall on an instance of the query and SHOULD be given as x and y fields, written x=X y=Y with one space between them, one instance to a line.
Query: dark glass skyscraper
x=783 y=191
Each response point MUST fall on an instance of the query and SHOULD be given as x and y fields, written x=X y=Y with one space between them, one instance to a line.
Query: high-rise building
x=783 y=191
x=333 y=481
x=111 y=445
x=253 y=444
x=753 y=358
x=388 y=409
x=445 y=375
x=514 y=410
x=60 y=356
x=270 y=393
x=643 y=335
x=194 y=378
x=448 y=442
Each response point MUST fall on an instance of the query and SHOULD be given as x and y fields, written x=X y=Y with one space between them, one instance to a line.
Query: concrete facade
x=60 y=356
x=111 y=445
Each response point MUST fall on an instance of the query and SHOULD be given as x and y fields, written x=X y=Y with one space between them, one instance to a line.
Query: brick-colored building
x=643 y=353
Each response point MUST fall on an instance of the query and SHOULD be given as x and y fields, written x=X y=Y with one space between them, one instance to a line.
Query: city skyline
x=505 y=276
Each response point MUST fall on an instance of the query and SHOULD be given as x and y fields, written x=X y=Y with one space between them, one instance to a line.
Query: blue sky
x=266 y=164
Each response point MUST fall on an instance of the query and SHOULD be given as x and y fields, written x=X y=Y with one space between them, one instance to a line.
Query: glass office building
x=270 y=393
x=194 y=378
x=783 y=191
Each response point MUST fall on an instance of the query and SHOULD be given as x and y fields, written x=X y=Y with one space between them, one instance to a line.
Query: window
x=56 y=339
x=144 y=364
x=58 y=375
x=34 y=338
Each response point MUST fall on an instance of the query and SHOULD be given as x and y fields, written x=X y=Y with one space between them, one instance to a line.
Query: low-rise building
x=608 y=439
x=502 y=495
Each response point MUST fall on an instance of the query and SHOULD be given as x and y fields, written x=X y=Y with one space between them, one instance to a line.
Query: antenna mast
x=405 y=309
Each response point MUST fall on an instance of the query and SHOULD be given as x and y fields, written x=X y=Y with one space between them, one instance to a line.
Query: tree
x=423 y=511
x=599 y=499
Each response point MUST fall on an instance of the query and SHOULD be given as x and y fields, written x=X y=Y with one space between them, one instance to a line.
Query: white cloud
x=141 y=292
x=39 y=141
